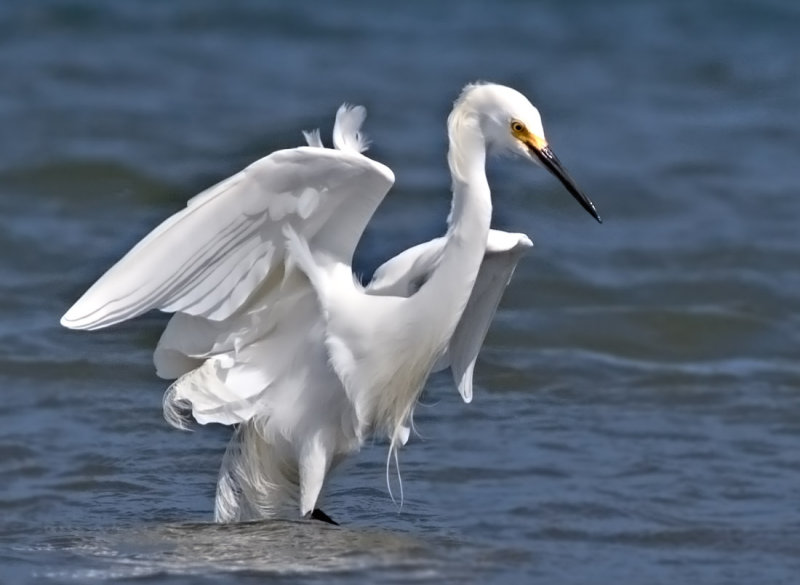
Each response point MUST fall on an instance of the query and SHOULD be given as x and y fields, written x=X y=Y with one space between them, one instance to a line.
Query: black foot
x=318 y=514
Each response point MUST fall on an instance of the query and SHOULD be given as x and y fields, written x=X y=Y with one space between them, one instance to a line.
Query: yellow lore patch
x=521 y=133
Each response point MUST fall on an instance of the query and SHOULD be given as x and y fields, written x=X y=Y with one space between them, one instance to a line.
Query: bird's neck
x=451 y=283
x=436 y=308
x=471 y=209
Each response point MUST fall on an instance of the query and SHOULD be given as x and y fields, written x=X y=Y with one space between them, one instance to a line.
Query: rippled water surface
x=637 y=410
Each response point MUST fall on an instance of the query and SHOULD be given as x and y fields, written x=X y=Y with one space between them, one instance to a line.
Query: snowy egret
x=273 y=334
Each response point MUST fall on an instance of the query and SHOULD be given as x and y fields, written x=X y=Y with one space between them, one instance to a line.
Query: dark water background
x=637 y=410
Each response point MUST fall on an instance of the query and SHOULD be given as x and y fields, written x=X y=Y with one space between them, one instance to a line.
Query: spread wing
x=404 y=274
x=208 y=259
x=246 y=342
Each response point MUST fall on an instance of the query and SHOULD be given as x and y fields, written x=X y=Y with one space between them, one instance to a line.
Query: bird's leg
x=318 y=514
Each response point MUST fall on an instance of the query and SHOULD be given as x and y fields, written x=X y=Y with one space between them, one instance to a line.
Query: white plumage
x=272 y=333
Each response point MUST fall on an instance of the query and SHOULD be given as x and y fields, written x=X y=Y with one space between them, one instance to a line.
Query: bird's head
x=511 y=124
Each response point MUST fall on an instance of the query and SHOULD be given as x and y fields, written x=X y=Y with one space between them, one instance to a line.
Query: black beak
x=552 y=164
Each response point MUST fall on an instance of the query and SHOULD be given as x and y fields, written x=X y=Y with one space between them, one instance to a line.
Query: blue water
x=637 y=410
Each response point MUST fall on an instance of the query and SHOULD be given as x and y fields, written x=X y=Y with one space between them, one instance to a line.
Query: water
x=636 y=415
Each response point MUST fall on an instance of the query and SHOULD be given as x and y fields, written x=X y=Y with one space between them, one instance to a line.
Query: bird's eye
x=517 y=126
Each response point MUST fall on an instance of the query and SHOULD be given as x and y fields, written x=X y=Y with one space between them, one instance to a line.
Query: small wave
x=81 y=180
x=270 y=548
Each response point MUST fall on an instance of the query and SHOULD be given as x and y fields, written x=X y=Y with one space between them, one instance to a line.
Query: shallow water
x=636 y=415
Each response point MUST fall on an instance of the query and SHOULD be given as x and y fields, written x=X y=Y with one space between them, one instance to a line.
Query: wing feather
x=207 y=259
x=404 y=274
x=503 y=251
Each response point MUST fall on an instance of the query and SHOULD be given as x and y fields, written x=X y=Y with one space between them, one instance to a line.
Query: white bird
x=273 y=334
